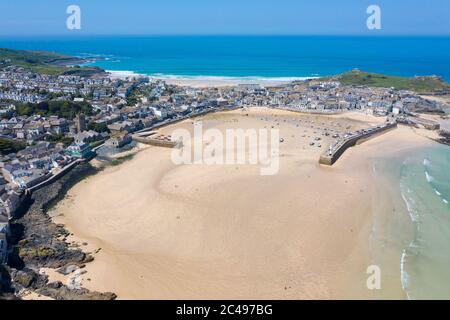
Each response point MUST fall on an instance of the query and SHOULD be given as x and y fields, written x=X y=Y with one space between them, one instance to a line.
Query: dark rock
x=62 y=292
x=37 y=242
x=444 y=137
x=55 y=285
x=27 y=278
x=88 y=258
x=67 y=269
x=24 y=279
x=5 y=283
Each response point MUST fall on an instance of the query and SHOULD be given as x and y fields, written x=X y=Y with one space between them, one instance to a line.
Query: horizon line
x=78 y=34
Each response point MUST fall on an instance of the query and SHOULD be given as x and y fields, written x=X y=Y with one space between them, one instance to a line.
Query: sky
x=229 y=17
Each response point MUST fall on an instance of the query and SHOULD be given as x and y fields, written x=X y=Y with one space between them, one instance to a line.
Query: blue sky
x=160 y=17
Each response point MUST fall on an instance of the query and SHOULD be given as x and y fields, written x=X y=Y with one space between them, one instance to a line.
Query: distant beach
x=209 y=81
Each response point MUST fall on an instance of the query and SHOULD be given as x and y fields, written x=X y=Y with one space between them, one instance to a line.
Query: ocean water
x=253 y=56
x=411 y=234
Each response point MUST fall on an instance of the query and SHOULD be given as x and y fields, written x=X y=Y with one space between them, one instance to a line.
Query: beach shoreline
x=169 y=255
x=210 y=81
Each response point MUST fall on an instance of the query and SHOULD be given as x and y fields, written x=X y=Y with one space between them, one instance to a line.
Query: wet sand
x=225 y=231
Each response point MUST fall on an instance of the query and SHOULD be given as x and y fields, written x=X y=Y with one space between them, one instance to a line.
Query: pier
x=148 y=136
x=154 y=139
x=335 y=151
x=416 y=121
x=321 y=112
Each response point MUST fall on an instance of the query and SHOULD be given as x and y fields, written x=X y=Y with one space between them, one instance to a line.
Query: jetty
x=151 y=137
x=335 y=151
x=154 y=139
x=322 y=112
x=416 y=121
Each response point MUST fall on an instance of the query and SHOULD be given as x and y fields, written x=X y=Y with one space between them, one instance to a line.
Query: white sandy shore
x=225 y=232
x=209 y=81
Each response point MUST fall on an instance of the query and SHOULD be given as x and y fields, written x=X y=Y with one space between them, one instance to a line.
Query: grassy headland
x=423 y=84
x=46 y=62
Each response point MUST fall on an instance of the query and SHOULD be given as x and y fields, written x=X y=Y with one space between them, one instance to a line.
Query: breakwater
x=145 y=135
x=324 y=112
x=416 y=121
x=335 y=151
x=156 y=141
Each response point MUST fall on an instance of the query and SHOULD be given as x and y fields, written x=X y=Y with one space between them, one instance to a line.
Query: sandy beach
x=161 y=231
x=204 y=82
x=209 y=81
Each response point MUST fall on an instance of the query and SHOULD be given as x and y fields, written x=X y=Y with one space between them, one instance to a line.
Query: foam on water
x=242 y=79
x=123 y=73
x=200 y=78
x=409 y=201
x=428 y=177
x=428 y=164
x=404 y=274
x=408 y=196
x=423 y=267
x=404 y=277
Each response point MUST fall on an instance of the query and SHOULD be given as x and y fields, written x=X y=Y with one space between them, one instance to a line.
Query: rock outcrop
x=37 y=242
x=444 y=137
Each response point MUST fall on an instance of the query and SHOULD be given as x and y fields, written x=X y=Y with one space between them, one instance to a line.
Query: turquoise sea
x=411 y=232
x=253 y=56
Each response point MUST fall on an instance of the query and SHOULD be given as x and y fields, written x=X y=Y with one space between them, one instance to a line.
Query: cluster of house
x=157 y=102
x=4 y=230
x=22 y=85
x=34 y=128
x=34 y=164
x=9 y=200
x=11 y=197
x=330 y=95
x=108 y=94
x=153 y=103
x=27 y=169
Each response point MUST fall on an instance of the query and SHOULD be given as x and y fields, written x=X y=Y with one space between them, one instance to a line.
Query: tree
x=63 y=109
x=98 y=127
x=8 y=146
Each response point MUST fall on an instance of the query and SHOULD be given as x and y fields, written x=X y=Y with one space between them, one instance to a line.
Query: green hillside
x=45 y=62
x=418 y=84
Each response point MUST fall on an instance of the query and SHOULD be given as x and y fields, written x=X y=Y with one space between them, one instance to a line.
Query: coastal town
x=51 y=123
x=224 y=156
